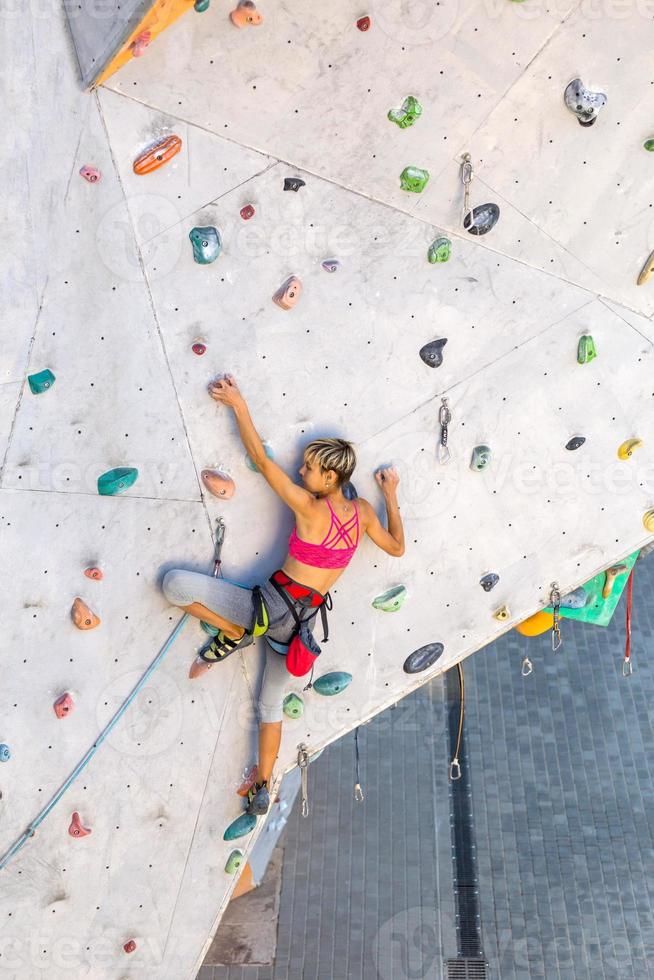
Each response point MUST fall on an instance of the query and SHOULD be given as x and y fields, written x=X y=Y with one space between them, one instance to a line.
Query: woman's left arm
x=297 y=498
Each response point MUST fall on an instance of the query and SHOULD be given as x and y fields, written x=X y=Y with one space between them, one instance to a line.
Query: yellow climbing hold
x=502 y=613
x=627 y=448
x=539 y=623
x=648 y=520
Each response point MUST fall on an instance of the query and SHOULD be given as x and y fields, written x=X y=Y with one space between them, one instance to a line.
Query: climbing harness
x=38 y=820
x=627 y=669
x=444 y=418
x=303 y=763
x=358 y=792
x=301 y=647
x=455 y=767
x=555 y=603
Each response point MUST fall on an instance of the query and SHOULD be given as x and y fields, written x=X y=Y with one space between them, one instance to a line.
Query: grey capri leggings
x=234 y=602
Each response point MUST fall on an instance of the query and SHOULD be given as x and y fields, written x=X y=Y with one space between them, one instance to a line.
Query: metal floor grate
x=466 y=969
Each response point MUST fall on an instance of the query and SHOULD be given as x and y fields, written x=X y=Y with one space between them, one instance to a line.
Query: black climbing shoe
x=258 y=799
x=220 y=647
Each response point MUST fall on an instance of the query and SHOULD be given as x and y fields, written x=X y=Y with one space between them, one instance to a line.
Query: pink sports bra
x=326 y=554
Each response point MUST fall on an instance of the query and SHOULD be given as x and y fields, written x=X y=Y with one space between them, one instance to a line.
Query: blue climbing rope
x=31 y=830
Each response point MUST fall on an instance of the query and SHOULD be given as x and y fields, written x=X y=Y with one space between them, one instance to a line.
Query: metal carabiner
x=444 y=414
x=455 y=770
x=467 y=173
x=627 y=669
x=358 y=793
x=527 y=667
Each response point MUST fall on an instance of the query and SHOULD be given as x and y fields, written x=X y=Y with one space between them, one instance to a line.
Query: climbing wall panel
x=105 y=292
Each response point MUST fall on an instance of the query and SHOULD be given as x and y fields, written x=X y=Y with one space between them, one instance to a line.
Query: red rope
x=630 y=595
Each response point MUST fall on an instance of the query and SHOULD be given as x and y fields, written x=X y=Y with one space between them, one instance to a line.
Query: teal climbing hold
x=439 y=250
x=234 y=862
x=414 y=179
x=293 y=706
x=41 y=382
x=243 y=825
x=392 y=600
x=201 y=5
x=206 y=243
x=5 y=752
x=269 y=454
x=333 y=683
x=209 y=629
x=407 y=114
x=117 y=481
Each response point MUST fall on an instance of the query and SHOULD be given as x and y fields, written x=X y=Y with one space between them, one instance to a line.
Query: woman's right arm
x=392 y=540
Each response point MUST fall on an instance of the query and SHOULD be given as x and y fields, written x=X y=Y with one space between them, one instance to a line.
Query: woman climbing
x=327 y=532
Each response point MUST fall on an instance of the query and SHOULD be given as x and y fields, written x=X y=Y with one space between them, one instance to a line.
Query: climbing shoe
x=221 y=646
x=258 y=799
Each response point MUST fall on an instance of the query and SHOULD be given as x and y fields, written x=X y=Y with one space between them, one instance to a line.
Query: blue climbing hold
x=423 y=657
x=209 y=629
x=350 y=491
x=240 y=827
x=41 y=382
x=269 y=454
x=206 y=243
x=5 y=752
x=117 y=481
x=333 y=683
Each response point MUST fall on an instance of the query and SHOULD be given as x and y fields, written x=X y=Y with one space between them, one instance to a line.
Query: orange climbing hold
x=218 y=484
x=539 y=623
x=157 y=155
x=64 y=705
x=76 y=829
x=83 y=617
x=245 y=15
x=94 y=573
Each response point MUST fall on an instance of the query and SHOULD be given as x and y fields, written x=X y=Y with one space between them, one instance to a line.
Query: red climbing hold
x=76 y=829
x=199 y=348
x=140 y=43
x=90 y=174
x=94 y=573
x=363 y=23
x=64 y=705
x=247 y=212
x=129 y=946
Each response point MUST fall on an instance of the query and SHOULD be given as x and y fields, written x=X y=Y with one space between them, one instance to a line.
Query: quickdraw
x=444 y=418
x=455 y=766
x=626 y=664
x=358 y=792
x=303 y=763
x=555 y=603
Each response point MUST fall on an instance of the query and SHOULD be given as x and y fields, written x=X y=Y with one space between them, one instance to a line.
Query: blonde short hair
x=333 y=454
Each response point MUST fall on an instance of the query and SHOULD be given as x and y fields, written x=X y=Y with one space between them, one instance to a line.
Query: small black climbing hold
x=575 y=442
x=489 y=581
x=484 y=217
x=293 y=183
x=432 y=353
x=422 y=658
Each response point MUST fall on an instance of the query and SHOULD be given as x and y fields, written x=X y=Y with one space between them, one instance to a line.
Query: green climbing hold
x=293 y=706
x=439 y=250
x=334 y=683
x=269 y=454
x=392 y=600
x=414 y=179
x=234 y=862
x=206 y=243
x=649 y=145
x=586 y=349
x=481 y=457
x=117 y=481
x=41 y=382
x=240 y=827
x=407 y=114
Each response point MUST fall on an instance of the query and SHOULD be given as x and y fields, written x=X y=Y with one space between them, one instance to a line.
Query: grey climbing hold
x=481 y=219
x=5 y=752
x=331 y=265
x=350 y=491
x=439 y=250
x=293 y=183
x=575 y=442
x=489 y=581
x=41 y=382
x=392 y=600
x=576 y=599
x=432 y=353
x=243 y=825
x=422 y=658
x=333 y=683
x=481 y=457
x=583 y=103
x=206 y=243
x=293 y=706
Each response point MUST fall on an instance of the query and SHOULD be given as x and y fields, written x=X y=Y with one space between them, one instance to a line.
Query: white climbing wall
x=102 y=289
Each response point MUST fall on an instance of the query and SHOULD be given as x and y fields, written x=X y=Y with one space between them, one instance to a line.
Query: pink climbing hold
x=76 y=829
x=249 y=779
x=199 y=348
x=90 y=174
x=94 y=573
x=64 y=705
x=247 y=212
x=140 y=43
x=129 y=946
